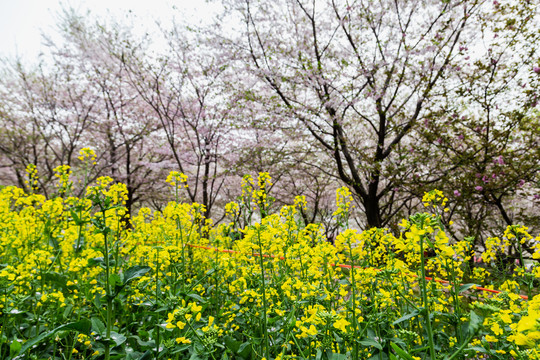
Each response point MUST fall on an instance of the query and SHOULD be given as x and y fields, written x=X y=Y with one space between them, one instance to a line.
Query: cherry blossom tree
x=485 y=136
x=125 y=133
x=47 y=110
x=361 y=78
x=390 y=98
x=187 y=91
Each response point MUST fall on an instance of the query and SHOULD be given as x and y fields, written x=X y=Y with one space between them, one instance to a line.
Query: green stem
x=353 y=298
x=455 y=291
x=298 y=346
x=425 y=300
x=265 y=332
x=522 y=262
x=107 y=289
x=157 y=303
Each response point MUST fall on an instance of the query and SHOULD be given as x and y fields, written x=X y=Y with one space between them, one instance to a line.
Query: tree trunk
x=373 y=211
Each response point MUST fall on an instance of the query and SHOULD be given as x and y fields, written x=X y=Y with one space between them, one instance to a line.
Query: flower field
x=81 y=279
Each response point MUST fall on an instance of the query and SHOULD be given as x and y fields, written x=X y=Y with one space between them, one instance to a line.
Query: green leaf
x=117 y=338
x=465 y=287
x=144 y=344
x=196 y=356
x=135 y=272
x=197 y=297
x=68 y=310
x=478 y=349
x=406 y=317
x=474 y=323
x=415 y=350
x=14 y=348
x=76 y=219
x=245 y=350
x=180 y=348
x=97 y=326
x=82 y=327
x=335 y=356
x=401 y=352
x=147 y=355
x=56 y=279
x=100 y=261
x=371 y=342
x=114 y=280
x=97 y=300
x=232 y=344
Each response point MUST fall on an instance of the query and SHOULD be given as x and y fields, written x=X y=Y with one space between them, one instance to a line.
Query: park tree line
x=388 y=98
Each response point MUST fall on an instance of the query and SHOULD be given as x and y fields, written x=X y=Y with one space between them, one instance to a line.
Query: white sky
x=22 y=21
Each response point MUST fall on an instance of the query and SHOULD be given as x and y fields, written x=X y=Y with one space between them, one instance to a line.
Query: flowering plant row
x=82 y=279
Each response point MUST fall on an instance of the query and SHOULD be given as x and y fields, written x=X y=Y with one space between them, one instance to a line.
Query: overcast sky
x=21 y=21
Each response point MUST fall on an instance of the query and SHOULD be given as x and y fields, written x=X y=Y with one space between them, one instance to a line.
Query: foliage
x=79 y=283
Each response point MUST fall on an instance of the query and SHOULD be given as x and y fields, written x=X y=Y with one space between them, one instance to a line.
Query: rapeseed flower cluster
x=33 y=179
x=173 y=282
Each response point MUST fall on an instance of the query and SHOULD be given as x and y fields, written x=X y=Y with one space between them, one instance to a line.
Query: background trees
x=487 y=130
x=46 y=112
x=364 y=80
x=391 y=99
x=124 y=132
x=188 y=95
x=357 y=78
